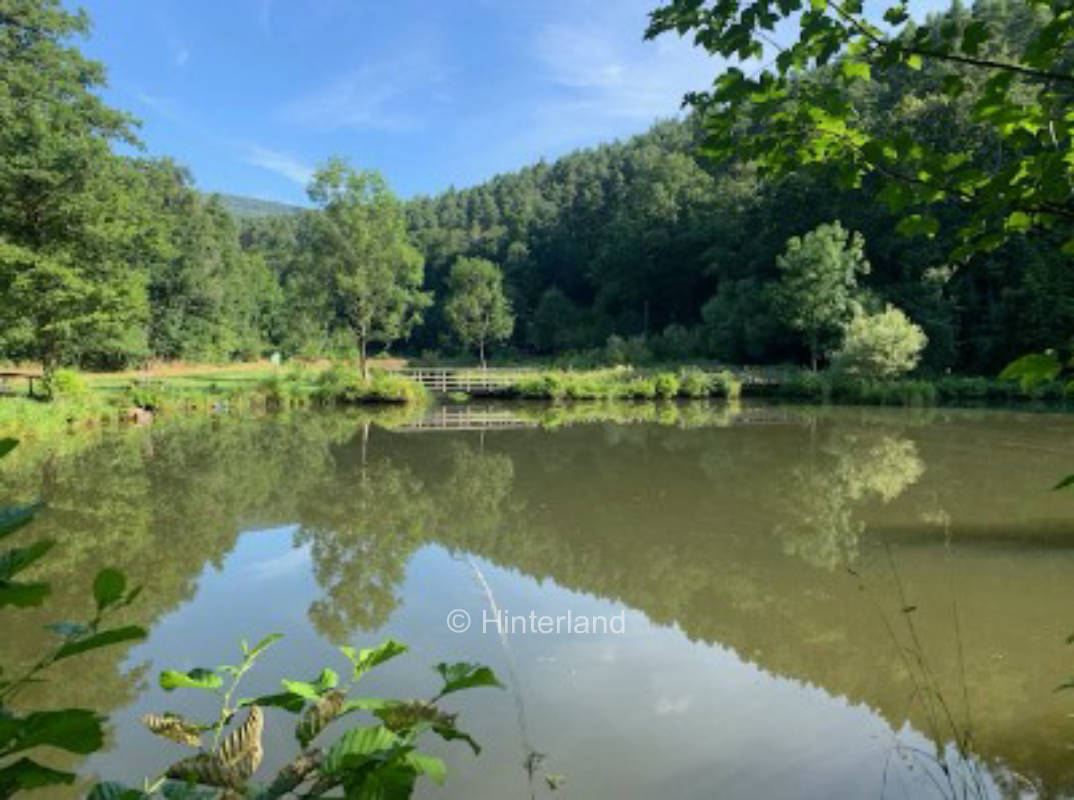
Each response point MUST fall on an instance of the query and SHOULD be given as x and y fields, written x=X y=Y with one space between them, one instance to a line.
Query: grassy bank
x=620 y=383
x=90 y=401
x=832 y=387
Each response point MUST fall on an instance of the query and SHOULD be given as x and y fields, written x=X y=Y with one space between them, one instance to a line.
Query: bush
x=145 y=395
x=727 y=385
x=283 y=390
x=882 y=345
x=666 y=385
x=640 y=388
x=66 y=383
x=694 y=382
x=343 y=384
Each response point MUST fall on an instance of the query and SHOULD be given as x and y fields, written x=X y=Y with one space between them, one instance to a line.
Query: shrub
x=666 y=385
x=880 y=345
x=145 y=395
x=66 y=383
x=727 y=385
x=695 y=382
x=282 y=390
x=342 y=383
x=643 y=388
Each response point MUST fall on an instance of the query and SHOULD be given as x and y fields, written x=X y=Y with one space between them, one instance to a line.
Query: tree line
x=661 y=247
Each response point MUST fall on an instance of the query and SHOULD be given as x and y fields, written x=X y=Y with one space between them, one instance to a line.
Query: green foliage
x=477 y=308
x=360 y=241
x=986 y=68
x=818 y=287
x=1032 y=369
x=882 y=345
x=695 y=382
x=343 y=384
x=666 y=385
x=365 y=761
x=66 y=383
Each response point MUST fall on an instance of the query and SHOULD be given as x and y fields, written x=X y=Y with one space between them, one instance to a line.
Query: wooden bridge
x=466 y=419
x=463 y=379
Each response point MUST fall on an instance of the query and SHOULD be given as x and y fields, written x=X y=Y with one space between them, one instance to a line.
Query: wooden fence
x=466 y=419
x=463 y=379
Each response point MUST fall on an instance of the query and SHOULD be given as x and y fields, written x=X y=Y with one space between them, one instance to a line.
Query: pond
x=796 y=602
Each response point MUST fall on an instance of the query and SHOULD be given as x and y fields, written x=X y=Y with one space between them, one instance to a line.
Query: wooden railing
x=466 y=419
x=463 y=379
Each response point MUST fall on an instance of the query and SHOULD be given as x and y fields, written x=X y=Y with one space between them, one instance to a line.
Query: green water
x=761 y=560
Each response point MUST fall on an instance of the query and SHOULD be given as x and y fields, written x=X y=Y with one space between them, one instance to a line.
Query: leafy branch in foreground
x=811 y=97
x=74 y=730
x=378 y=760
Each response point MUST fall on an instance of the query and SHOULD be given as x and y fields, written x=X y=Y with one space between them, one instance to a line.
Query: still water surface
x=786 y=577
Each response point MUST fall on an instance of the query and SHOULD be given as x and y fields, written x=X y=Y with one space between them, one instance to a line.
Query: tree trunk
x=813 y=351
x=363 y=362
x=481 y=351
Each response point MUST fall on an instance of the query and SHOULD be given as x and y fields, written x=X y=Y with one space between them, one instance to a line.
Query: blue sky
x=252 y=94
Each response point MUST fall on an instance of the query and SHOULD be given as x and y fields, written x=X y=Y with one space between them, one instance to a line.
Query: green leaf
x=464 y=675
x=913 y=61
x=365 y=660
x=128 y=633
x=261 y=646
x=365 y=704
x=16 y=560
x=110 y=790
x=427 y=765
x=356 y=746
x=181 y=790
x=1018 y=221
x=197 y=678
x=1031 y=369
x=390 y=781
x=918 y=225
x=26 y=774
x=108 y=587
x=856 y=69
x=285 y=700
x=75 y=730
x=450 y=733
x=313 y=689
x=23 y=595
x=1063 y=484
x=7 y=445
x=1068 y=248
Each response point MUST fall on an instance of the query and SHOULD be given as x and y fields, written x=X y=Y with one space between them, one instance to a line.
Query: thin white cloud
x=162 y=106
x=280 y=163
x=603 y=76
x=383 y=96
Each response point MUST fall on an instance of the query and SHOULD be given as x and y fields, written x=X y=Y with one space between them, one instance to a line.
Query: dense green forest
x=636 y=250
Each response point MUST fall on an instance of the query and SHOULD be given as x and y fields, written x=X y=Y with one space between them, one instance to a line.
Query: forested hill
x=243 y=206
x=633 y=250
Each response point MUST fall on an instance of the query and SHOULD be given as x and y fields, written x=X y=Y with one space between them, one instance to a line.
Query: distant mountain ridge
x=243 y=206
